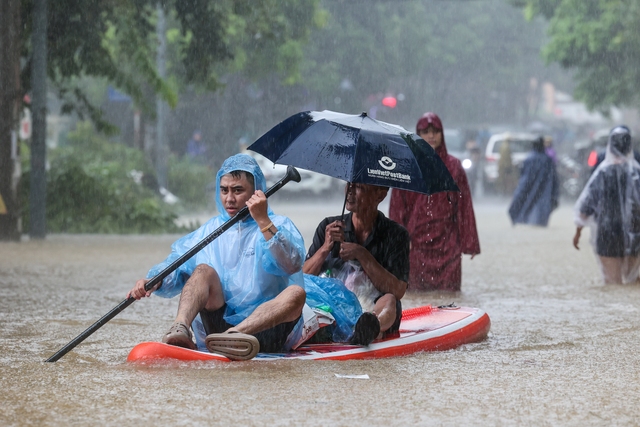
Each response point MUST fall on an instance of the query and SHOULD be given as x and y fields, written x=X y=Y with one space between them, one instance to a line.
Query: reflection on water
x=562 y=349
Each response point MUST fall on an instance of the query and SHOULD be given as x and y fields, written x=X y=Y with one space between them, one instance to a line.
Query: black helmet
x=620 y=140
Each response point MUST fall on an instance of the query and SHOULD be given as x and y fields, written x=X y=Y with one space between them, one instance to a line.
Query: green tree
x=116 y=41
x=599 y=40
x=469 y=61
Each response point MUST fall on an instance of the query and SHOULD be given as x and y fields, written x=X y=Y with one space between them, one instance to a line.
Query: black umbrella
x=357 y=149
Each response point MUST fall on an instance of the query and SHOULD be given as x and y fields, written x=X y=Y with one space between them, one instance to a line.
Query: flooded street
x=563 y=348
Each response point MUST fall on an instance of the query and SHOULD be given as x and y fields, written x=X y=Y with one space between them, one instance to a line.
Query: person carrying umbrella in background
x=442 y=226
x=373 y=260
x=537 y=193
x=610 y=204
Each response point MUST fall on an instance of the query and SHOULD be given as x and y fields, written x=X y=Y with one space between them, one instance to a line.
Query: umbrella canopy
x=357 y=149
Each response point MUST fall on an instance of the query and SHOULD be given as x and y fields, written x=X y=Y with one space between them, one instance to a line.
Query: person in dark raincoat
x=442 y=226
x=538 y=189
x=610 y=205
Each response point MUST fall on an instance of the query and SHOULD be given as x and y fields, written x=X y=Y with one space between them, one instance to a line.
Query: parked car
x=469 y=156
x=520 y=145
x=455 y=143
x=570 y=176
x=311 y=182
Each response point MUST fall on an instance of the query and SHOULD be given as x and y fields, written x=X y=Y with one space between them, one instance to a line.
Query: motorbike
x=570 y=176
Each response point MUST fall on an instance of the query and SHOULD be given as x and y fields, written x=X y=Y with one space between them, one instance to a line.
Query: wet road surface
x=563 y=348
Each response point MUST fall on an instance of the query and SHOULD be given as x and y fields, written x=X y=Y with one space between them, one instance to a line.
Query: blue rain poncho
x=538 y=189
x=252 y=270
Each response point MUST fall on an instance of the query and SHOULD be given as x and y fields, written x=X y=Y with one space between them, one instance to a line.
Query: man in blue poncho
x=243 y=292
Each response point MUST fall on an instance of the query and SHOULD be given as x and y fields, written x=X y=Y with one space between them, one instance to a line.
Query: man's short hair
x=240 y=173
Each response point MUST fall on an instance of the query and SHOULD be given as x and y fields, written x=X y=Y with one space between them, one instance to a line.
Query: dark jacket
x=537 y=192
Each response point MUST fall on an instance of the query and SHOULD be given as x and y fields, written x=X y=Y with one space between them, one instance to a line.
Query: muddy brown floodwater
x=563 y=348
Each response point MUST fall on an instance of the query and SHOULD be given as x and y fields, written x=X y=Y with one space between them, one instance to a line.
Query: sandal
x=234 y=345
x=366 y=330
x=179 y=335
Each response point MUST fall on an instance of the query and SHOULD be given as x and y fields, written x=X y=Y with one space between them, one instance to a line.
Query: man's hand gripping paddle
x=292 y=175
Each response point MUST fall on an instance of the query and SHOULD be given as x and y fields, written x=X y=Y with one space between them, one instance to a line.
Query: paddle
x=292 y=175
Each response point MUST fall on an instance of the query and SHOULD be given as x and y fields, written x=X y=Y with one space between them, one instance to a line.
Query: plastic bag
x=310 y=322
x=357 y=281
x=332 y=296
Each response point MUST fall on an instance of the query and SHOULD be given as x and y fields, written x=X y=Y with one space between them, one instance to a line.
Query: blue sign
x=117 y=96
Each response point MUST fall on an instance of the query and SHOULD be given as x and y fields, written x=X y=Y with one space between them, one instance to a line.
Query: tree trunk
x=161 y=145
x=9 y=108
x=38 y=191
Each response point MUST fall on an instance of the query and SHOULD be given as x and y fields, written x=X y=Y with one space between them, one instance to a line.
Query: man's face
x=234 y=192
x=362 y=197
x=432 y=135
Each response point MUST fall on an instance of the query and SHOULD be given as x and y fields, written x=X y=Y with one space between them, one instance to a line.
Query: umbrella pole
x=335 y=251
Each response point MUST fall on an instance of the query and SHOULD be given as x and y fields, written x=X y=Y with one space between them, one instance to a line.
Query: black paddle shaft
x=292 y=175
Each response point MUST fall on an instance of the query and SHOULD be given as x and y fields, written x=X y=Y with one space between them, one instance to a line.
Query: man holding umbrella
x=243 y=292
x=379 y=246
x=371 y=156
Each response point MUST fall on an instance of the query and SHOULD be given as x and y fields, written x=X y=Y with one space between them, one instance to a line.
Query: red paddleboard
x=422 y=329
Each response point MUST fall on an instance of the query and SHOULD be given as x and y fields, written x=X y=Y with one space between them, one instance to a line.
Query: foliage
x=117 y=41
x=469 y=61
x=273 y=35
x=599 y=39
x=189 y=181
x=90 y=189
x=76 y=48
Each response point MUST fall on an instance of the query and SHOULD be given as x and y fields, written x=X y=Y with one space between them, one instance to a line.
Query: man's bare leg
x=286 y=307
x=202 y=290
x=611 y=270
x=385 y=309
x=630 y=269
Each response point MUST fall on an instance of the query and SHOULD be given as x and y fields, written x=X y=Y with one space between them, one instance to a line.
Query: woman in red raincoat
x=442 y=226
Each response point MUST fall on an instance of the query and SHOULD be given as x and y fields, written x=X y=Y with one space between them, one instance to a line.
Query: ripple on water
x=561 y=351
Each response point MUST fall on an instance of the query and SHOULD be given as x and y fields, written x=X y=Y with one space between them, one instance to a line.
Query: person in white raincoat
x=610 y=205
x=242 y=293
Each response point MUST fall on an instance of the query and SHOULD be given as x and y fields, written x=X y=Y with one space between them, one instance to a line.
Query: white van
x=521 y=145
x=311 y=182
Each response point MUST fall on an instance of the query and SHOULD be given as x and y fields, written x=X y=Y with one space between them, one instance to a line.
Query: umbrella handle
x=335 y=251
x=292 y=175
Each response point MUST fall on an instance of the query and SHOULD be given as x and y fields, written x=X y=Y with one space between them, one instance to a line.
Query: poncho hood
x=432 y=119
x=619 y=143
x=240 y=162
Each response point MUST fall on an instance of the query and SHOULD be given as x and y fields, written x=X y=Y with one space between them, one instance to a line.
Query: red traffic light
x=389 y=101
